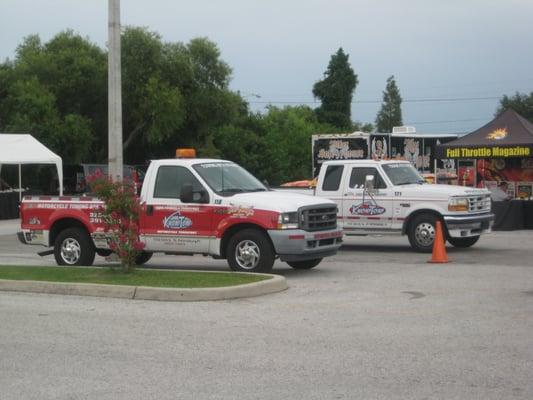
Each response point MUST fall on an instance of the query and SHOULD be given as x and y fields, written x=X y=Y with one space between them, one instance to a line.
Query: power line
x=422 y=100
x=448 y=121
x=447 y=86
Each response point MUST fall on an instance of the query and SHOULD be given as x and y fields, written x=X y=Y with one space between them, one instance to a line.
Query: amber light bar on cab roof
x=185 y=153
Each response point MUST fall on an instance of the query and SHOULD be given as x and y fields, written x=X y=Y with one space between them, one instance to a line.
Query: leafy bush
x=121 y=217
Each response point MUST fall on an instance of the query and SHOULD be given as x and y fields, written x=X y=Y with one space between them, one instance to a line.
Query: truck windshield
x=227 y=179
x=402 y=174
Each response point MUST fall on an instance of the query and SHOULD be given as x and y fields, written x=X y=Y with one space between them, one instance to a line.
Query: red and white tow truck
x=194 y=206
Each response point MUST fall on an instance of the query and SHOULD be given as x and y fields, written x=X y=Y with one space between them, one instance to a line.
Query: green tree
x=275 y=146
x=211 y=104
x=390 y=114
x=31 y=107
x=175 y=95
x=153 y=106
x=56 y=91
x=335 y=91
x=243 y=141
x=522 y=103
x=362 y=126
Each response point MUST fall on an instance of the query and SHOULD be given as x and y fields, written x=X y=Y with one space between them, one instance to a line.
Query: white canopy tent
x=21 y=149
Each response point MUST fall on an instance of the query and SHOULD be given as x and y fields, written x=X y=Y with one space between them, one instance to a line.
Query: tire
x=250 y=250
x=463 y=242
x=307 y=264
x=421 y=233
x=74 y=246
x=143 y=258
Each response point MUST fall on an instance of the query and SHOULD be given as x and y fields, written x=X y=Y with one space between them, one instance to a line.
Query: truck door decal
x=366 y=209
x=177 y=221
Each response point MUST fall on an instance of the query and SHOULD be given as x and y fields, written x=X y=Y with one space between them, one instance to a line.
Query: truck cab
x=390 y=197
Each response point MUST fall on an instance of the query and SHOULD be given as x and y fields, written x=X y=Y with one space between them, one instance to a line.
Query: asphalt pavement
x=374 y=322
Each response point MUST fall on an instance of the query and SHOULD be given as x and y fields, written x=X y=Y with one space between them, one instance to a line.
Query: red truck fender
x=63 y=219
x=260 y=220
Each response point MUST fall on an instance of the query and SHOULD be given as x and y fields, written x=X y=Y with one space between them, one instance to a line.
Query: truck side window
x=332 y=178
x=170 y=179
x=358 y=176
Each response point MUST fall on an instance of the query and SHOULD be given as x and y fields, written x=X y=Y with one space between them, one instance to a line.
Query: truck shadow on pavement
x=375 y=248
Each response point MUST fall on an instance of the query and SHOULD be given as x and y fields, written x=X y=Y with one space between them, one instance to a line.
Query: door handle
x=349 y=194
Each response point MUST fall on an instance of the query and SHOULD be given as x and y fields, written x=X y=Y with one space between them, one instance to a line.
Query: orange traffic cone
x=439 y=249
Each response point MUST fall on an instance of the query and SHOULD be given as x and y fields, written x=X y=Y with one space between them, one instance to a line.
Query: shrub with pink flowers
x=121 y=217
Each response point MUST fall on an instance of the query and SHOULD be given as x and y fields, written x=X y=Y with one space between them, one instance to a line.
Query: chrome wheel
x=70 y=251
x=247 y=254
x=425 y=234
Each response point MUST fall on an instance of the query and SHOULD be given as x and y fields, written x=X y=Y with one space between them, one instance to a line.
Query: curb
x=275 y=284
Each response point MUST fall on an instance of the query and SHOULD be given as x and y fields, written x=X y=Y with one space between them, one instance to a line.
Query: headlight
x=288 y=220
x=458 y=204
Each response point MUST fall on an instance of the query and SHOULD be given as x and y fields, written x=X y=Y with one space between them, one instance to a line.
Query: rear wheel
x=250 y=251
x=143 y=258
x=73 y=246
x=307 y=264
x=463 y=242
x=421 y=233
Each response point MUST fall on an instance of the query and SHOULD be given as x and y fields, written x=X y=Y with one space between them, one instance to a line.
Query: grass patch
x=141 y=277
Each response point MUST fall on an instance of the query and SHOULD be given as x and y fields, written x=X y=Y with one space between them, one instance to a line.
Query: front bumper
x=468 y=225
x=300 y=245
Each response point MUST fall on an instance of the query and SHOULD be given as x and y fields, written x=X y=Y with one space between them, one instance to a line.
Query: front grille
x=318 y=218
x=478 y=204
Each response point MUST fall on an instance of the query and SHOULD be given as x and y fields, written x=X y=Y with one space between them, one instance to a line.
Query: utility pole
x=114 y=86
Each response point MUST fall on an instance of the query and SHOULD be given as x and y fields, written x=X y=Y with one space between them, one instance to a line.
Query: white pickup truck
x=390 y=197
x=194 y=206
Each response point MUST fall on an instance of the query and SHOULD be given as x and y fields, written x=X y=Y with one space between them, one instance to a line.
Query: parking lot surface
x=374 y=322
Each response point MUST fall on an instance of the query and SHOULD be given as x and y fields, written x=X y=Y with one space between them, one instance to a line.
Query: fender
x=58 y=216
x=230 y=224
x=422 y=208
x=261 y=218
x=78 y=215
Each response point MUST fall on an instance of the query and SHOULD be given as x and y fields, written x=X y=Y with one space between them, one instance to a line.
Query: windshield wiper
x=405 y=183
x=257 y=190
x=231 y=190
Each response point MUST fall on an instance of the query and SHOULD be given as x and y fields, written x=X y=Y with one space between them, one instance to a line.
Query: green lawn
x=141 y=277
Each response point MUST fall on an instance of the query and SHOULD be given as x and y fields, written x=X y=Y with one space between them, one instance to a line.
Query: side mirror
x=186 y=194
x=265 y=182
x=369 y=183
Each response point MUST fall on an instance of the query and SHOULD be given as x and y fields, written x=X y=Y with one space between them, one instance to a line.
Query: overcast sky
x=454 y=49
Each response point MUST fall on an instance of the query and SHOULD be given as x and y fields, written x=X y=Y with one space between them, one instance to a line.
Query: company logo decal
x=236 y=211
x=241 y=211
x=367 y=209
x=497 y=134
x=176 y=221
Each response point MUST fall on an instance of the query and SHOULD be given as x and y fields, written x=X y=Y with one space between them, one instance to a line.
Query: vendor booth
x=21 y=149
x=498 y=156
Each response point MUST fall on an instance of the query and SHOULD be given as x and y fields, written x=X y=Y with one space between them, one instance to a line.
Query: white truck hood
x=437 y=191
x=275 y=201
